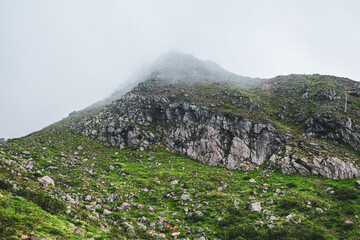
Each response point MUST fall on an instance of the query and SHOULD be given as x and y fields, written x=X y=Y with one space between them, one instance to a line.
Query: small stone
x=272 y=218
x=260 y=223
x=174 y=234
x=30 y=165
x=174 y=182
x=128 y=227
x=26 y=152
x=142 y=226
x=289 y=217
x=88 y=198
x=348 y=222
x=255 y=207
x=252 y=180
x=78 y=233
x=266 y=212
x=319 y=210
x=143 y=219
x=186 y=197
x=46 y=180
x=236 y=203
x=199 y=213
x=124 y=205
x=107 y=212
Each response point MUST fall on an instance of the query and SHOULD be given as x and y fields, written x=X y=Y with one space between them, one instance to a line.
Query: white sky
x=60 y=56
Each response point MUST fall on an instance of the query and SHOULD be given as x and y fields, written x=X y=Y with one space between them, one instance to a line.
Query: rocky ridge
x=146 y=116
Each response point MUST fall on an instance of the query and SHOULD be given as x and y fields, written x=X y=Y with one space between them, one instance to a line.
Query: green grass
x=21 y=217
x=228 y=106
x=221 y=218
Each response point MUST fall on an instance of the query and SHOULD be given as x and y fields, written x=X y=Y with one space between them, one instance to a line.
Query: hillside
x=193 y=151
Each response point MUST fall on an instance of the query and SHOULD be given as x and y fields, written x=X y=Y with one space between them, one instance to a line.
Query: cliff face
x=211 y=137
x=327 y=126
x=152 y=113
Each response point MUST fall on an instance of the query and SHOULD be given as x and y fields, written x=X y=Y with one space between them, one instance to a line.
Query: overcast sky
x=60 y=56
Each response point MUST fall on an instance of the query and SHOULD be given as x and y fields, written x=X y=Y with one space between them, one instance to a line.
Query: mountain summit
x=185 y=67
x=175 y=66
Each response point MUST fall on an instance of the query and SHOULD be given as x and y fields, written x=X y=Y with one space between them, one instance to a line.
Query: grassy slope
x=282 y=97
x=221 y=218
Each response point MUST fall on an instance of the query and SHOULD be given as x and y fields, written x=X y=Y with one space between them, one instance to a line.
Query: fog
x=60 y=56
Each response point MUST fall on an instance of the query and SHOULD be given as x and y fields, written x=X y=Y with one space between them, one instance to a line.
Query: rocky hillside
x=54 y=183
x=192 y=151
x=295 y=123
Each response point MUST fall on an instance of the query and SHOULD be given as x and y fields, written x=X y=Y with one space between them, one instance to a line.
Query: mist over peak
x=186 y=67
x=177 y=66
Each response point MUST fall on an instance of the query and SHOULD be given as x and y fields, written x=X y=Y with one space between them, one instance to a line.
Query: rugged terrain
x=192 y=151
x=298 y=128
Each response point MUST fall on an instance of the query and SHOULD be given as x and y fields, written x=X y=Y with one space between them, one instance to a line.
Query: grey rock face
x=329 y=127
x=330 y=167
x=214 y=137
x=328 y=94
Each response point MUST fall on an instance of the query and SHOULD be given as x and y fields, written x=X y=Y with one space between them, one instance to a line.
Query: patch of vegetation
x=228 y=106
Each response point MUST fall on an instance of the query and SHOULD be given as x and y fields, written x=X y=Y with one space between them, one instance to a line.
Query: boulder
x=46 y=180
x=255 y=207
x=186 y=197
x=78 y=233
x=26 y=152
x=88 y=198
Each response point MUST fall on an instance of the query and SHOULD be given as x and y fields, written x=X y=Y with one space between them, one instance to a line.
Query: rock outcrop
x=331 y=167
x=144 y=117
x=211 y=137
x=329 y=127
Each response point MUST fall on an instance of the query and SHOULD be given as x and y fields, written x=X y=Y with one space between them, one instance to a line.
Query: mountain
x=193 y=151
